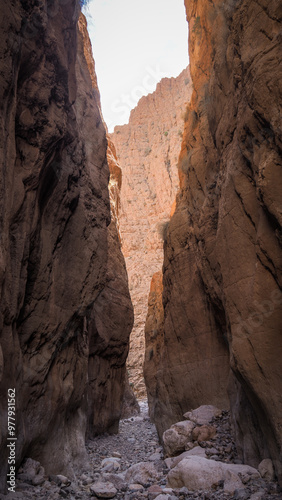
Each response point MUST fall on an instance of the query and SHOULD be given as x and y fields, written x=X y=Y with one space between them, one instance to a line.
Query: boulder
x=266 y=469
x=203 y=415
x=116 y=479
x=176 y=437
x=203 y=433
x=141 y=473
x=197 y=451
x=200 y=473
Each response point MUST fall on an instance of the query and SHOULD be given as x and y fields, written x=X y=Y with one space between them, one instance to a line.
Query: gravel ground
x=111 y=457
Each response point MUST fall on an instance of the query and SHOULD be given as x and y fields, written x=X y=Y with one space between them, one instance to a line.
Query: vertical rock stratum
x=65 y=310
x=147 y=150
x=222 y=266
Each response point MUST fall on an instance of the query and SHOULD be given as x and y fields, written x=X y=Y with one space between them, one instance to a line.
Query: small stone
x=110 y=464
x=103 y=490
x=38 y=480
x=142 y=473
x=116 y=479
x=63 y=480
x=155 y=488
x=155 y=457
x=136 y=487
x=131 y=440
x=228 y=448
x=258 y=495
x=241 y=494
x=266 y=469
x=163 y=497
x=116 y=454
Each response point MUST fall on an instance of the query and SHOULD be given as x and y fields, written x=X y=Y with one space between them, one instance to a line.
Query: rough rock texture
x=222 y=268
x=198 y=473
x=148 y=149
x=65 y=313
x=130 y=406
x=154 y=351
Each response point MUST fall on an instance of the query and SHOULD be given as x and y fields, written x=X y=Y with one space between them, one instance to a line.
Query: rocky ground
x=132 y=465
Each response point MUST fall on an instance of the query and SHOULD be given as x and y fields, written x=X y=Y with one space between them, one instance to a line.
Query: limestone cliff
x=222 y=267
x=147 y=150
x=65 y=310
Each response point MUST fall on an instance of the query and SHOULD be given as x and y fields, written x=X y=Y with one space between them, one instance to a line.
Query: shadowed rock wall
x=65 y=312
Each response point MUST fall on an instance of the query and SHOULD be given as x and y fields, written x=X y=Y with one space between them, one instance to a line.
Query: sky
x=135 y=43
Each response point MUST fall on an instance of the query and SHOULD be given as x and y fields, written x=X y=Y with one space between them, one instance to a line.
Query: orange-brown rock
x=65 y=313
x=222 y=267
x=147 y=150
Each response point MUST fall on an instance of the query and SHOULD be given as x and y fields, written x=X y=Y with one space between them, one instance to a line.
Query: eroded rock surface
x=65 y=313
x=147 y=150
x=222 y=267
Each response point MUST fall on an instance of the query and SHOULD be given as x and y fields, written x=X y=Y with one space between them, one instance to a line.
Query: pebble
x=136 y=487
x=104 y=490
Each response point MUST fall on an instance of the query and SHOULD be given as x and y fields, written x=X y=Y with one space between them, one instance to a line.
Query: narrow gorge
x=159 y=245
x=147 y=151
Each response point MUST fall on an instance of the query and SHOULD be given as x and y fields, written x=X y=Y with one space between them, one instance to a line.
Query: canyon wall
x=65 y=311
x=147 y=150
x=222 y=267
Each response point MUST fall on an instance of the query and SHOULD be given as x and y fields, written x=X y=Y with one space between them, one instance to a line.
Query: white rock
x=110 y=464
x=154 y=457
x=203 y=415
x=176 y=437
x=197 y=451
x=200 y=473
x=141 y=473
x=64 y=480
x=138 y=419
x=266 y=469
x=162 y=497
x=103 y=490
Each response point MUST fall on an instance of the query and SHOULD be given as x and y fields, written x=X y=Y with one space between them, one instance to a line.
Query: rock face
x=222 y=267
x=65 y=309
x=147 y=150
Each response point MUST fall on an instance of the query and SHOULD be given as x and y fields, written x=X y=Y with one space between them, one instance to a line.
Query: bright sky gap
x=135 y=44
